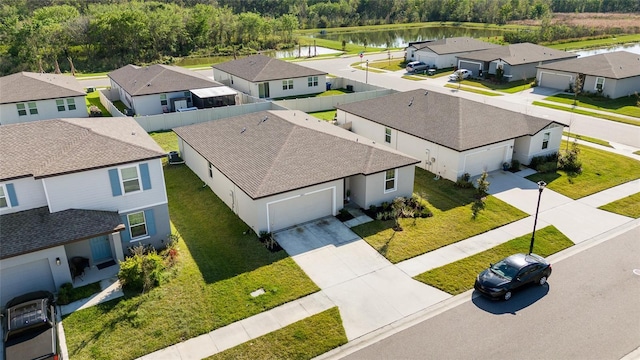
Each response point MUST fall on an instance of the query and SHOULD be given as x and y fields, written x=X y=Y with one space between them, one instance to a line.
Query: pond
x=633 y=48
x=400 y=38
x=302 y=51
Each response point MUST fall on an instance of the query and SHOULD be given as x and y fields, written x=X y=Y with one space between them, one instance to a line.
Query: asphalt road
x=589 y=310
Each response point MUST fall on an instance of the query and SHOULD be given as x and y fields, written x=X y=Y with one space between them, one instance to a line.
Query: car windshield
x=505 y=270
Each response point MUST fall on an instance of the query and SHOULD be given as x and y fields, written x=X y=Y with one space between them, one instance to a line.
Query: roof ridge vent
x=411 y=101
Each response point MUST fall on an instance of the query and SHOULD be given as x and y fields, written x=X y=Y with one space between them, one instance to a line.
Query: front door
x=101 y=249
x=263 y=90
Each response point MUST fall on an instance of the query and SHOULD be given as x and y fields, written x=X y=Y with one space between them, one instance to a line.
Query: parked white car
x=460 y=73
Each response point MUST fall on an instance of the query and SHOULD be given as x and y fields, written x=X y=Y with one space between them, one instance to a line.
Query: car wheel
x=507 y=296
x=542 y=280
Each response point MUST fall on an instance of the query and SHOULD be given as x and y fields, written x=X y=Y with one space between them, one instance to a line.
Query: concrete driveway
x=369 y=291
x=577 y=220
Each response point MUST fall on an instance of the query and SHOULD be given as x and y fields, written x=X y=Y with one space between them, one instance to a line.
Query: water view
x=302 y=51
x=633 y=48
x=400 y=38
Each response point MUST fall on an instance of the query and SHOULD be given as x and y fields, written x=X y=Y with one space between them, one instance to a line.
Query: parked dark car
x=30 y=330
x=501 y=279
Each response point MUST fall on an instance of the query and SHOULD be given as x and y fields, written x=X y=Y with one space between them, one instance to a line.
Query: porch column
x=117 y=245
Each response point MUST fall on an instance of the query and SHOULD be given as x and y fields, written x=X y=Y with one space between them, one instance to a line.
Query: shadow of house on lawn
x=218 y=240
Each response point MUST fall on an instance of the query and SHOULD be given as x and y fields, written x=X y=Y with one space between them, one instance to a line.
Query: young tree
x=481 y=195
x=577 y=88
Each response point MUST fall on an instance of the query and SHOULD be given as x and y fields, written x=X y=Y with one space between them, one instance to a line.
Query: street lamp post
x=366 y=79
x=541 y=186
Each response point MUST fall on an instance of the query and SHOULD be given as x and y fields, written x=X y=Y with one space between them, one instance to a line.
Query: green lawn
x=220 y=264
x=628 y=206
x=304 y=339
x=589 y=113
x=587 y=138
x=93 y=98
x=621 y=106
x=600 y=170
x=389 y=65
x=459 y=276
x=451 y=221
x=328 y=115
x=471 y=89
x=511 y=87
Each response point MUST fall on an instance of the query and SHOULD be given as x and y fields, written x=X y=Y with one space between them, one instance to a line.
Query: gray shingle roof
x=264 y=68
x=36 y=229
x=52 y=147
x=455 y=45
x=288 y=151
x=450 y=121
x=518 y=54
x=159 y=79
x=615 y=65
x=28 y=86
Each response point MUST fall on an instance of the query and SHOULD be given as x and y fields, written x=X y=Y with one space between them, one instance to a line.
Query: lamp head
x=541 y=185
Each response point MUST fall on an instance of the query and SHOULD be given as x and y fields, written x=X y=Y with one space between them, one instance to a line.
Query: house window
x=33 y=108
x=71 y=104
x=390 y=180
x=545 y=140
x=3 y=197
x=287 y=84
x=211 y=170
x=599 y=84
x=163 y=99
x=22 y=111
x=137 y=225
x=312 y=81
x=130 y=179
x=60 y=105
x=387 y=135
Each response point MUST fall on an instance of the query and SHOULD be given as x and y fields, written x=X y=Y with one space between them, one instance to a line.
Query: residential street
x=589 y=310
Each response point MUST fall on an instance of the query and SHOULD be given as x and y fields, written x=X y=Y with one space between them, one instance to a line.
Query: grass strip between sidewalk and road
x=587 y=138
x=304 y=339
x=459 y=276
x=450 y=223
x=588 y=113
x=601 y=170
x=628 y=206
x=471 y=89
x=622 y=106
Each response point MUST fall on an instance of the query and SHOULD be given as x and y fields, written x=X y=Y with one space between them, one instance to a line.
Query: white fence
x=249 y=104
x=322 y=103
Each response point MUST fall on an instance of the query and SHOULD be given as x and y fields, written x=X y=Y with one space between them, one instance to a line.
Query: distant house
x=266 y=77
x=451 y=136
x=27 y=96
x=518 y=61
x=158 y=89
x=442 y=53
x=76 y=192
x=276 y=169
x=613 y=74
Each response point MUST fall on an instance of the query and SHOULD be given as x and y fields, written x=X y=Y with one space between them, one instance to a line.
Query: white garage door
x=300 y=209
x=473 y=66
x=24 y=278
x=487 y=161
x=555 y=81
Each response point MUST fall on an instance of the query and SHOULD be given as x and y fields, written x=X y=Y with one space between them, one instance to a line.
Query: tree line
x=44 y=35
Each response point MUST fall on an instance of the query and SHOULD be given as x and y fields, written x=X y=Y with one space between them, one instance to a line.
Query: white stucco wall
x=375 y=191
x=60 y=272
x=526 y=149
x=29 y=193
x=47 y=109
x=92 y=190
x=300 y=85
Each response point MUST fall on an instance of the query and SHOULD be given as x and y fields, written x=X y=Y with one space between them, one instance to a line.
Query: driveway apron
x=369 y=291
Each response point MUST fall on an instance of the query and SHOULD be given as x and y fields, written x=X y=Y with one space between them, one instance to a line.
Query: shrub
x=143 y=270
x=547 y=167
x=515 y=165
x=569 y=161
x=464 y=182
x=64 y=294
